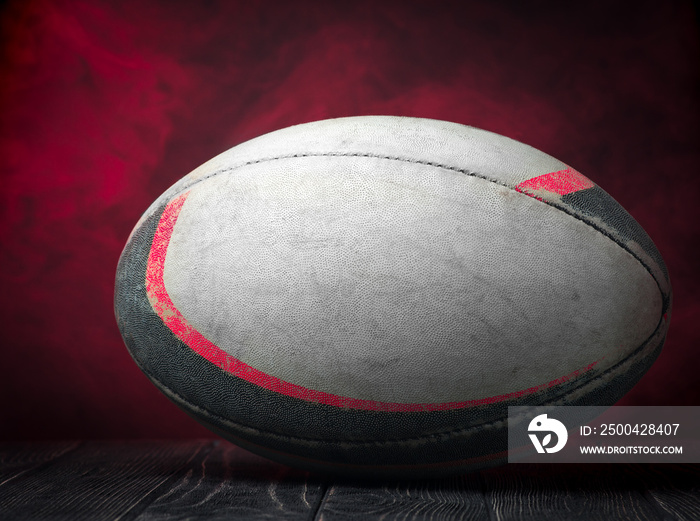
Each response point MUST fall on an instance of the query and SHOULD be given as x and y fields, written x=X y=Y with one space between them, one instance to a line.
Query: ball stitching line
x=433 y=436
x=464 y=171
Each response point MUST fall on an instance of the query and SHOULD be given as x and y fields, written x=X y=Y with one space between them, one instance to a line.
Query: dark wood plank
x=17 y=459
x=97 y=481
x=572 y=492
x=154 y=481
x=674 y=488
x=457 y=498
x=231 y=483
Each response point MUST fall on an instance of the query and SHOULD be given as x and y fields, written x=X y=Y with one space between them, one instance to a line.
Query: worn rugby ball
x=367 y=296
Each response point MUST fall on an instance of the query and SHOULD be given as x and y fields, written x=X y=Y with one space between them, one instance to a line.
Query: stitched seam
x=464 y=171
x=344 y=154
x=354 y=443
x=442 y=434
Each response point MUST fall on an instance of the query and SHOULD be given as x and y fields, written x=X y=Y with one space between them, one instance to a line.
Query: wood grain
x=458 y=498
x=212 y=480
x=674 y=488
x=98 y=481
x=230 y=483
x=571 y=492
x=17 y=459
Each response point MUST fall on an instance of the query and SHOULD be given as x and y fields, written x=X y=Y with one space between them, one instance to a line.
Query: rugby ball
x=366 y=296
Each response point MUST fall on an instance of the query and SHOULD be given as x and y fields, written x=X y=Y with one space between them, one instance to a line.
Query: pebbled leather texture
x=395 y=286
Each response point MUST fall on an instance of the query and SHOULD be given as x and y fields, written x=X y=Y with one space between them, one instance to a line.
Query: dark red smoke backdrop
x=104 y=104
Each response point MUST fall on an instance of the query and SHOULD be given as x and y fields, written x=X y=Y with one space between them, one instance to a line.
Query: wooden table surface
x=215 y=480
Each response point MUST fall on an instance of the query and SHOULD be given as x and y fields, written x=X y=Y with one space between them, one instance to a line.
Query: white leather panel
x=396 y=281
x=427 y=140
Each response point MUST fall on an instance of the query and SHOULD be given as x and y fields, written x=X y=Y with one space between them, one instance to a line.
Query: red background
x=105 y=104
